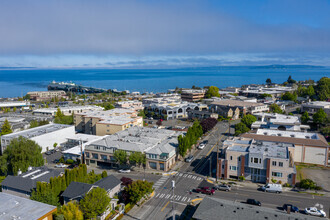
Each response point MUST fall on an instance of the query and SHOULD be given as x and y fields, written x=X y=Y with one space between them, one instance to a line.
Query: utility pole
x=210 y=165
x=216 y=175
x=173 y=186
x=82 y=154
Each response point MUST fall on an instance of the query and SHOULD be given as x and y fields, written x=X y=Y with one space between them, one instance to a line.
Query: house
x=201 y=114
x=23 y=184
x=14 y=104
x=134 y=104
x=258 y=161
x=215 y=209
x=77 y=191
x=226 y=111
x=15 y=207
x=308 y=147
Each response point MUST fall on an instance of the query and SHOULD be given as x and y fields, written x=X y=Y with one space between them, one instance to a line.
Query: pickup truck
x=205 y=190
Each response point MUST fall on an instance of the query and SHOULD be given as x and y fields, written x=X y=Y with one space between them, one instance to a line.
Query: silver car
x=223 y=187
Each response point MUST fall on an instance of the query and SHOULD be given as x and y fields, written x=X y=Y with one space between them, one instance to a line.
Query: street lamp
x=173 y=186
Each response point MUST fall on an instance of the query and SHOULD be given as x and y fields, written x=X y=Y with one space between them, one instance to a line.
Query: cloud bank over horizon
x=163 y=33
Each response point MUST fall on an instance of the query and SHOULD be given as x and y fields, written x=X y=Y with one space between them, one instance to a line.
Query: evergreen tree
x=320 y=117
x=95 y=203
x=305 y=118
x=6 y=128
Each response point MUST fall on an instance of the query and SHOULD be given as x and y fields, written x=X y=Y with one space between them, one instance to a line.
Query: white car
x=124 y=171
x=315 y=211
x=61 y=165
x=201 y=146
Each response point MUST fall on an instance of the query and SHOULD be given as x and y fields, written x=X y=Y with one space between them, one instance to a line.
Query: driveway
x=318 y=175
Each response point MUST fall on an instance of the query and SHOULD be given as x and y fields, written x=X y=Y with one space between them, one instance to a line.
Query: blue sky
x=160 y=34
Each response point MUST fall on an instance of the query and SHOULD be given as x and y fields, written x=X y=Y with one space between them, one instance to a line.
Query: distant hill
x=275 y=66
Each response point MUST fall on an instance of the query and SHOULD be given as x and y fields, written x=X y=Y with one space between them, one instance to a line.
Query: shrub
x=69 y=161
x=318 y=188
x=242 y=178
x=286 y=185
x=274 y=180
x=279 y=182
x=308 y=184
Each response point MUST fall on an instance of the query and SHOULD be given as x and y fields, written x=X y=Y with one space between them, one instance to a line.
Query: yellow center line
x=165 y=206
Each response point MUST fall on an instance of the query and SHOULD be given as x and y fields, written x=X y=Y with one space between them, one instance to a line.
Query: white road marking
x=185 y=175
x=188 y=200
x=181 y=174
x=168 y=196
x=189 y=176
x=184 y=199
x=157 y=195
x=161 y=196
x=178 y=198
x=199 y=178
x=194 y=177
x=172 y=197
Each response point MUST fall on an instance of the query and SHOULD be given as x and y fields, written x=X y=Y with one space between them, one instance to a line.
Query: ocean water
x=17 y=82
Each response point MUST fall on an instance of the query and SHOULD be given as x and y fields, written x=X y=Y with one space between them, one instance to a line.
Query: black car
x=253 y=202
x=293 y=208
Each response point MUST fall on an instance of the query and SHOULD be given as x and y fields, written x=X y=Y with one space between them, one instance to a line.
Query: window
x=95 y=156
x=274 y=163
x=277 y=174
x=255 y=160
x=87 y=154
x=260 y=160
x=280 y=164
x=231 y=157
x=104 y=157
x=232 y=167
x=239 y=159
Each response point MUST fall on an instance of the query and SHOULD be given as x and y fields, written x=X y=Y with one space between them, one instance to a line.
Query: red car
x=205 y=190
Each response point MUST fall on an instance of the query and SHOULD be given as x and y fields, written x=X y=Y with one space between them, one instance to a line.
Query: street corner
x=210 y=181
x=196 y=201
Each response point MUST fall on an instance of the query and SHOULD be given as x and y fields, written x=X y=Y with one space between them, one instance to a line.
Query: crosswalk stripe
x=199 y=178
x=188 y=200
x=178 y=198
x=168 y=196
x=157 y=195
x=194 y=177
x=185 y=175
x=181 y=174
x=184 y=199
x=172 y=197
x=175 y=196
x=189 y=176
x=162 y=196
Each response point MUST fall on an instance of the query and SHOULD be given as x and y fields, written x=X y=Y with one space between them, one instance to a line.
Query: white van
x=271 y=187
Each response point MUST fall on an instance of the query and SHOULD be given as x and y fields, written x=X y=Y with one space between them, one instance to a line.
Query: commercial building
x=133 y=104
x=192 y=95
x=23 y=184
x=215 y=209
x=192 y=114
x=47 y=95
x=257 y=91
x=313 y=107
x=45 y=135
x=244 y=107
x=14 y=104
x=14 y=207
x=276 y=121
x=159 y=145
x=68 y=110
x=308 y=147
x=106 y=122
x=258 y=161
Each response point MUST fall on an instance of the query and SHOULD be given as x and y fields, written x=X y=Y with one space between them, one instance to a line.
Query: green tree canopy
x=70 y=211
x=120 y=156
x=213 y=91
x=34 y=124
x=289 y=96
x=304 y=118
x=22 y=153
x=265 y=95
x=275 y=109
x=268 y=81
x=138 y=189
x=137 y=158
x=95 y=202
x=320 y=117
x=45 y=194
x=248 y=120
x=323 y=88
x=6 y=128
x=290 y=80
x=241 y=128
x=310 y=91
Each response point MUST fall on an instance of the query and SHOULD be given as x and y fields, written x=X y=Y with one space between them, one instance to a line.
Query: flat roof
x=67 y=108
x=293 y=134
x=15 y=207
x=234 y=103
x=270 y=149
x=317 y=104
x=33 y=132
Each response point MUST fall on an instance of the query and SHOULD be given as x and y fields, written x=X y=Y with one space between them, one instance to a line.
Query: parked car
x=253 y=202
x=223 y=187
x=314 y=211
x=205 y=190
x=292 y=207
x=61 y=165
x=271 y=187
x=201 y=146
x=124 y=171
x=189 y=158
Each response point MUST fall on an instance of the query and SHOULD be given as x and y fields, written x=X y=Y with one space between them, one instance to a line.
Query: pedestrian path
x=190 y=176
x=170 y=196
x=160 y=182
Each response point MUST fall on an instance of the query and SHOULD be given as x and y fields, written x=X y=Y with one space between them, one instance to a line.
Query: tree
x=268 y=81
x=34 y=124
x=14 y=109
x=136 y=158
x=275 y=109
x=125 y=181
x=6 y=128
x=290 y=80
x=248 y=120
x=70 y=211
x=208 y=123
x=310 y=91
x=289 y=96
x=304 y=118
x=22 y=153
x=120 y=156
x=265 y=95
x=95 y=202
x=213 y=91
x=325 y=131
x=138 y=189
x=241 y=128
x=44 y=193
x=323 y=88
x=104 y=174
x=320 y=117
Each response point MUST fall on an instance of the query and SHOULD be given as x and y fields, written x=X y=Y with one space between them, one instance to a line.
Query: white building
x=313 y=107
x=45 y=135
x=66 y=110
x=18 y=104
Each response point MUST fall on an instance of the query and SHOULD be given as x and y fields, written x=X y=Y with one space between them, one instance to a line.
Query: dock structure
x=72 y=87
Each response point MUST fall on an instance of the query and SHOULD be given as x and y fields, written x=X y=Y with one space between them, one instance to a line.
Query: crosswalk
x=160 y=182
x=190 y=176
x=173 y=197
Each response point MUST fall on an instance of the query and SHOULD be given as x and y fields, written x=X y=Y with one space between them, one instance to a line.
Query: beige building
x=47 y=95
x=132 y=104
x=258 y=161
x=244 y=107
x=106 y=122
x=192 y=95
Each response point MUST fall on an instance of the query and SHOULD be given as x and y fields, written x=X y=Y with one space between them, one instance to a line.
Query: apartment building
x=276 y=121
x=159 y=145
x=47 y=95
x=308 y=147
x=192 y=95
x=258 y=161
x=106 y=122
x=67 y=110
x=45 y=135
x=132 y=104
x=223 y=105
x=258 y=90
x=313 y=107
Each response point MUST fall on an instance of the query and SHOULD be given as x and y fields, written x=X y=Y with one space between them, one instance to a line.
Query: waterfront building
x=47 y=95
